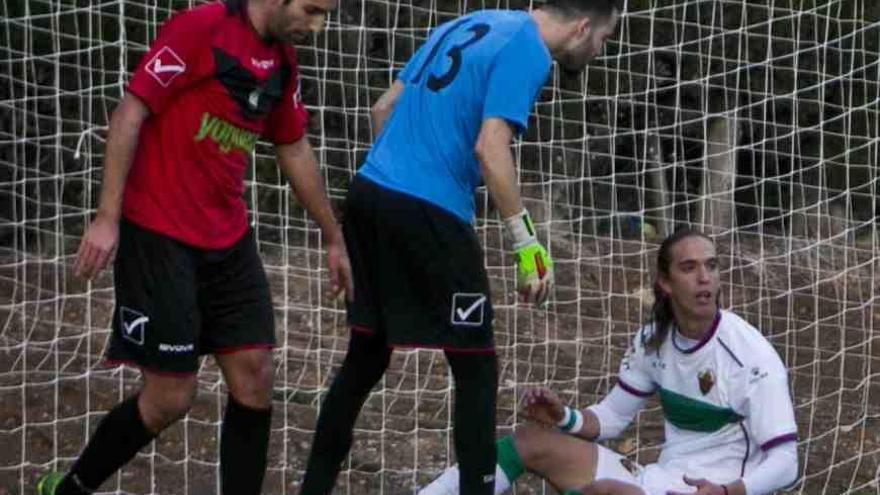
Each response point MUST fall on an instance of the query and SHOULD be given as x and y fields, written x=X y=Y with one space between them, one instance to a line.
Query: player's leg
x=476 y=384
x=566 y=462
x=367 y=357
x=127 y=428
x=364 y=365
x=609 y=487
x=154 y=328
x=239 y=329
x=244 y=434
x=445 y=302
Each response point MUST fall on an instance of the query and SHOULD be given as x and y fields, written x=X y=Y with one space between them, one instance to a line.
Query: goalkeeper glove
x=534 y=268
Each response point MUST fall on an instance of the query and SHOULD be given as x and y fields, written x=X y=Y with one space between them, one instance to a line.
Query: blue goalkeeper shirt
x=486 y=64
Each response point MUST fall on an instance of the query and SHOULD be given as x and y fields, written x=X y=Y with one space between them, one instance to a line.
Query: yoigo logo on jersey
x=176 y=348
x=226 y=135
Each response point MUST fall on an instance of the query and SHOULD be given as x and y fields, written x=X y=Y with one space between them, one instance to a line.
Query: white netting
x=756 y=119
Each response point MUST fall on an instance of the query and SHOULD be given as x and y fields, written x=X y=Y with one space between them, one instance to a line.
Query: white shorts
x=653 y=479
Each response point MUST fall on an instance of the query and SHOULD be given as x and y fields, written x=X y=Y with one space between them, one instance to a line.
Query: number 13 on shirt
x=437 y=82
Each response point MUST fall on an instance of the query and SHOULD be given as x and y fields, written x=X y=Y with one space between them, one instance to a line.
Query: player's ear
x=663 y=284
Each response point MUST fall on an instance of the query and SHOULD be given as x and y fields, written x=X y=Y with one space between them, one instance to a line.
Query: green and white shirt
x=725 y=398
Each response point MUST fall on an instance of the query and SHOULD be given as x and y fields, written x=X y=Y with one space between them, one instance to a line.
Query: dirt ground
x=816 y=305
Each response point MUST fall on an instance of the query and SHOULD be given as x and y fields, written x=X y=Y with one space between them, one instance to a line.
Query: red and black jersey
x=214 y=87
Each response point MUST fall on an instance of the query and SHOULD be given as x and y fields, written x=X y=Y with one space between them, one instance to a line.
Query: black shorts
x=419 y=278
x=175 y=302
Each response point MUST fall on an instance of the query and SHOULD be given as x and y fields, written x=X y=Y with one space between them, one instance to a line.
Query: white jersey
x=725 y=399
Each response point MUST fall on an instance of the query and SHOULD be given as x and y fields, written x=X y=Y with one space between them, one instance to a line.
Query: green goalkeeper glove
x=534 y=268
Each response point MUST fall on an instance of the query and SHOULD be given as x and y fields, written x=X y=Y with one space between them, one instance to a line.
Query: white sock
x=502 y=484
x=447 y=483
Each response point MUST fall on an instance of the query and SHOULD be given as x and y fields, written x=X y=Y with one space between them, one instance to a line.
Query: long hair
x=662 y=316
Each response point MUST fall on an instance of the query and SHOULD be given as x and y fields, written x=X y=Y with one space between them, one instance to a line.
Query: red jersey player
x=188 y=278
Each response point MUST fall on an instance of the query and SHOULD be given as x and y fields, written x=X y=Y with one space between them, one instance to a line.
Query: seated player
x=729 y=420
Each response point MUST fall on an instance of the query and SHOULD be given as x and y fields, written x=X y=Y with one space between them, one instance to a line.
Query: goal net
x=755 y=120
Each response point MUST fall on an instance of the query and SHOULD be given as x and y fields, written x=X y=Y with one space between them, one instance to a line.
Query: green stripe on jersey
x=690 y=414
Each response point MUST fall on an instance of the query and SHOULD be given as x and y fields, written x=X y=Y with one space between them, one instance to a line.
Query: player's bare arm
x=542 y=405
x=534 y=266
x=99 y=241
x=497 y=166
x=297 y=161
x=384 y=105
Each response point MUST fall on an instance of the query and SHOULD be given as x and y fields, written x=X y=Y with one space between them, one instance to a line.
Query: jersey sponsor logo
x=226 y=135
x=165 y=66
x=756 y=374
x=176 y=348
x=468 y=309
x=707 y=381
x=133 y=324
x=263 y=64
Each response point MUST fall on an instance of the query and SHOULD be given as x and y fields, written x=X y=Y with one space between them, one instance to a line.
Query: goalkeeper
x=729 y=421
x=446 y=125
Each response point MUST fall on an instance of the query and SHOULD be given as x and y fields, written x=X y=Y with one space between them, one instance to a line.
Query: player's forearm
x=614 y=413
x=122 y=140
x=298 y=163
x=778 y=470
x=382 y=109
x=497 y=167
x=378 y=115
x=590 y=430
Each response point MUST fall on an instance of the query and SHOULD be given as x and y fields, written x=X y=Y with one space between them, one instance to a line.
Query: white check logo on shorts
x=165 y=66
x=468 y=308
x=133 y=324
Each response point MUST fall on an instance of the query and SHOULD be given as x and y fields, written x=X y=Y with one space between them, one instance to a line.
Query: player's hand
x=339 y=267
x=534 y=273
x=97 y=247
x=534 y=268
x=704 y=487
x=542 y=405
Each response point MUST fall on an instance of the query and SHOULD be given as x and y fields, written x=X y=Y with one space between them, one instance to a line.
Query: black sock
x=244 y=440
x=476 y=386
x=118 y=438
x=364 y=365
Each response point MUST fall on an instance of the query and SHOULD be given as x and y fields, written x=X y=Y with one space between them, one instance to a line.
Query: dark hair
x=581 y=8
x=662 y=316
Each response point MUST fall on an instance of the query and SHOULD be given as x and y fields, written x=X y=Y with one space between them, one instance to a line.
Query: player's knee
x=252 y=385
x=162 y=406
x=366 y=362
x=534 y=445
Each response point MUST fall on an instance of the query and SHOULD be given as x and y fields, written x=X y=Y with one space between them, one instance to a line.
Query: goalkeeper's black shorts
x=418 y=271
